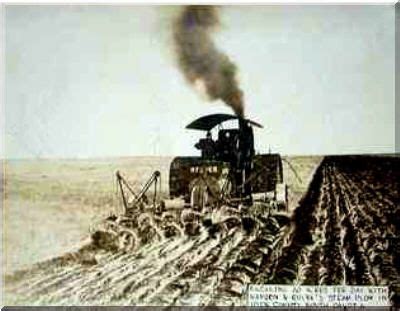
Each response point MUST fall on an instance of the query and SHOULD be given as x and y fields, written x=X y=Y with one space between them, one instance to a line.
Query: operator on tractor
x=207 y=146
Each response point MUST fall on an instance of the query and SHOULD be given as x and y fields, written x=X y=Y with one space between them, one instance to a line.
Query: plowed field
x=345 y=230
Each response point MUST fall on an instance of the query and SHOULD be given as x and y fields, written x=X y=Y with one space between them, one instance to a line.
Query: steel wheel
x=127 y=240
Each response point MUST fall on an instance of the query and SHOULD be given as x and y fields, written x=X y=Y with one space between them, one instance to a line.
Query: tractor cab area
x=230 y=143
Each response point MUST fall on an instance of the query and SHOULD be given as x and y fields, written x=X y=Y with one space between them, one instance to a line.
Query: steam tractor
x=228 y=168
x=223 y=187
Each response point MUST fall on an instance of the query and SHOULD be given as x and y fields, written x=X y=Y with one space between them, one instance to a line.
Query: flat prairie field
x=49 y=205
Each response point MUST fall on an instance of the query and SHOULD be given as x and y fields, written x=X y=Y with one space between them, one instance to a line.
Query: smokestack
x=200 y=60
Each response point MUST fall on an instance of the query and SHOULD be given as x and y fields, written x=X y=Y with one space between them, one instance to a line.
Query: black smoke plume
x=201 y=61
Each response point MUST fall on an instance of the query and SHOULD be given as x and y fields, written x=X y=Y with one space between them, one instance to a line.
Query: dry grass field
x=50 y=204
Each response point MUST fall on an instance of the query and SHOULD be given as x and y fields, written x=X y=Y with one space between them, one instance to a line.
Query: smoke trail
x=200 y=60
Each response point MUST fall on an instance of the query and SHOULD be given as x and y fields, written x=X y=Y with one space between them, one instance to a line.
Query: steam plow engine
x=226 y=187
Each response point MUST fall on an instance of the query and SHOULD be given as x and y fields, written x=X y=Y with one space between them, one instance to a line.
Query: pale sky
x=99 y=81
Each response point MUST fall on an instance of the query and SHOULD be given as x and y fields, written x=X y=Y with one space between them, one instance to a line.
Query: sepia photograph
x=200 y=155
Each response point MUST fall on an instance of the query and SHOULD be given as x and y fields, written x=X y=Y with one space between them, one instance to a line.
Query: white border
x=186 y=2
